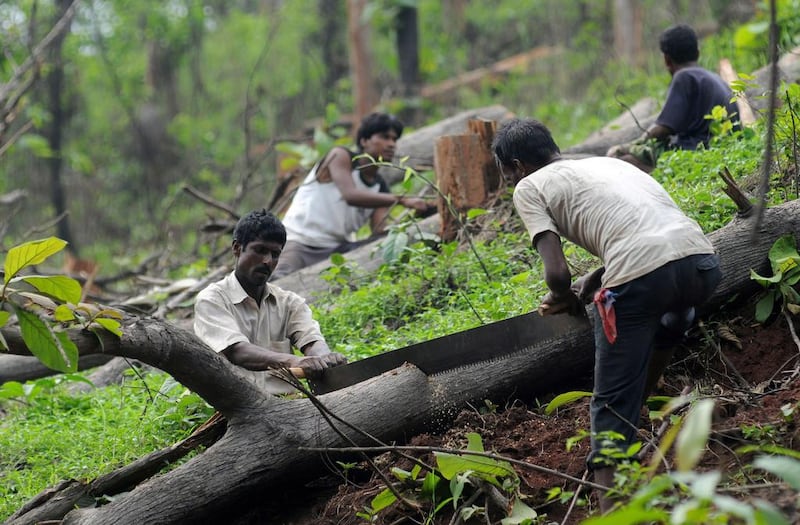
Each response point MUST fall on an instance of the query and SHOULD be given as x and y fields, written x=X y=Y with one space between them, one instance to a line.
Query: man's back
x=692 y=95
x=613 y=210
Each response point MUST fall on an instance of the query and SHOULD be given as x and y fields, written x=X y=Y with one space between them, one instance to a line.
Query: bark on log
x=259 y=451
x=24 y=368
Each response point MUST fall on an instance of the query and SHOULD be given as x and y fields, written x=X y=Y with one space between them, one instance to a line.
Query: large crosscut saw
x=483 y=343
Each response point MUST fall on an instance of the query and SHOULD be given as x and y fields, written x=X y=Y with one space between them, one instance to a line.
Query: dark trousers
x=652 y=312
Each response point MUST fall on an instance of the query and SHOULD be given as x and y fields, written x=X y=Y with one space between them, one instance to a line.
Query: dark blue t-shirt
x=692 y=95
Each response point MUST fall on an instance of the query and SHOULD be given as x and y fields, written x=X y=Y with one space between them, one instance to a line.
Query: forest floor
x=750 y=369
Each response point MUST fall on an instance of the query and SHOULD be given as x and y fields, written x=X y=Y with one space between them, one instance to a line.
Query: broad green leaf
x=764 y=306
x=474 y=442
x=450 y=465
x=565 y=398
x=521 y=514
x=30 y=253
x=4 y=316
x=765 y=281
x=44 y=343
x=337 y=258
x=629 y=515
x=783 y=254
x=394 y=245
x=110 y=324
x=11 y=389
x=384 y=498
x=476 y=212
x=520 y=277
x=63 y=313
x=110 y=312
x=788 y=469
x=63 y=288
x=692 y=439
x=429 y=484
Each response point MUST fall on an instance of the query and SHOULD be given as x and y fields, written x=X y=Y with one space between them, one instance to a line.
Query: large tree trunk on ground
x=260 y=450
x=24 y=368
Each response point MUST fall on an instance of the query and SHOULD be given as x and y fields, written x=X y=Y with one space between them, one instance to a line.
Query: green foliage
x=690 y=497
x=785 y=263
x=452 y=482
x=42 y=322
x=95 y=433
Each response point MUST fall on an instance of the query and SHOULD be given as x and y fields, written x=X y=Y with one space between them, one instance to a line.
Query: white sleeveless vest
x=320 y=217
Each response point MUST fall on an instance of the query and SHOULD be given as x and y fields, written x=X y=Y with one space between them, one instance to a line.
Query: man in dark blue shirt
x=693 y=93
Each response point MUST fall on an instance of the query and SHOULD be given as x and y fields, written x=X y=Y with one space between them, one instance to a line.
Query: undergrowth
x=49 y=434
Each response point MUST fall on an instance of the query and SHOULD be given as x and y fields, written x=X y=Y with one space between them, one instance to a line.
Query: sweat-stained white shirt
x=613 y=210
x=224 y=315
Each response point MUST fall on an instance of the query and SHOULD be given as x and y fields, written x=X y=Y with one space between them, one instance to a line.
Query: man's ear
x=237 y=248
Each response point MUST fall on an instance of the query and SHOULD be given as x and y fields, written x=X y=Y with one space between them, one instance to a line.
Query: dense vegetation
x=429 y=291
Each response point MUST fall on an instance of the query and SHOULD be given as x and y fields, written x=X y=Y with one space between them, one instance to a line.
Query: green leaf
x=30 y=253
x=788 y=469
x=691 y=441
x=63 y=313
x=382 y=500
x=783 y=255
x=450 y=465
x=393 y=246
x=429 y=484
x=764 y=306
x=53 y=350
x=60 y=287
x=11 y=389
x=476 y=212
x=111 y=325
x=337 y=258
x=521 y=514
x=474 y=442
x=4 y=316
x=563 y=399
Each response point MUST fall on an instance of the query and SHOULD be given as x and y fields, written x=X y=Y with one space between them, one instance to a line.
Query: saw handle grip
x=297 y=372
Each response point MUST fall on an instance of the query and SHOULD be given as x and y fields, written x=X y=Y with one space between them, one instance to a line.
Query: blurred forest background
x=134 y=100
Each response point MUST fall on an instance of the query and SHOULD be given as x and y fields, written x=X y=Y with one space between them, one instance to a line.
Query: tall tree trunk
x=332 y=41
x=360 y=59
x=55 y=131
x=628 y=30
x=407 y=32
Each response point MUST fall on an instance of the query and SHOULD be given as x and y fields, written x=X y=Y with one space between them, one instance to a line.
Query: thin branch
x=768 y=153
x=202 y=197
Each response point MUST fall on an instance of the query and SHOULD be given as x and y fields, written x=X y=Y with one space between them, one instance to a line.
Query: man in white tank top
x=658 y=265
x=342 y=193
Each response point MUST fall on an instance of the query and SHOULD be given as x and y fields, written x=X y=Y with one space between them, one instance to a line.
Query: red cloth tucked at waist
x=604 y=301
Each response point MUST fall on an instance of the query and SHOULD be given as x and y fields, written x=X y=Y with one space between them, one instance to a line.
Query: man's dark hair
x=526 y=140
x=680 y=44
x=259 y=225
x=378 y=123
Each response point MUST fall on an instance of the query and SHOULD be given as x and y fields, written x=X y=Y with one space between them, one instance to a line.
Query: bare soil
x=750 y=369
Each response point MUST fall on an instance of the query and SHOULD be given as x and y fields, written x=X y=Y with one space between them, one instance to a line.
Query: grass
x=49 y=434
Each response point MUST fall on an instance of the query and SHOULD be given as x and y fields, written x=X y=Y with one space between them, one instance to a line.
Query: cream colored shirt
x=613 y=210
x=224 y=315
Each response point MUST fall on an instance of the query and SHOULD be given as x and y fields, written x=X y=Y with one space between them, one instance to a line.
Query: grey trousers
x=653 y=311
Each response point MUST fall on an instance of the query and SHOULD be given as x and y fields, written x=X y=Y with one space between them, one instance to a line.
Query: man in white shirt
x=256 y=324
x=658 y=265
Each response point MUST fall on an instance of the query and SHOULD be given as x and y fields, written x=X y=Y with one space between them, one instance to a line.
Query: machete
x=483 y=343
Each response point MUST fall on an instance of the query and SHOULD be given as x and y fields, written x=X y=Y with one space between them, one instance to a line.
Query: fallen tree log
x=24 y=368
x=260 y=449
